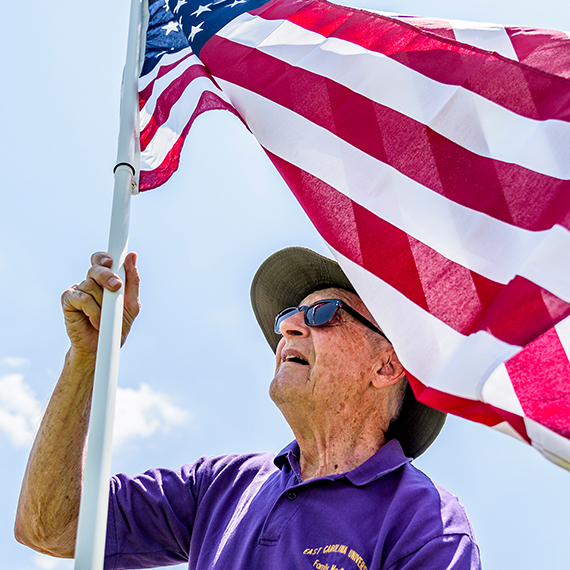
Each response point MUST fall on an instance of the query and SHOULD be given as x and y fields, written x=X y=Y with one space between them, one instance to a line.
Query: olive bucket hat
x=284 y=280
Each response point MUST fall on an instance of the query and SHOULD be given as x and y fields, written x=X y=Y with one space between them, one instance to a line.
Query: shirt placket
x=284 y=509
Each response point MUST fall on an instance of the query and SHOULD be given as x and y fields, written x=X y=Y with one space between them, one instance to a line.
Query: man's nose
x=294 y=325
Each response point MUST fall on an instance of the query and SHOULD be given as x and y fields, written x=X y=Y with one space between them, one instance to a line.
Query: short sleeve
x=151 y=518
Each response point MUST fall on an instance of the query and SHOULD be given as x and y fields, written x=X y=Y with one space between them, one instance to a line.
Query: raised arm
x=48 y=508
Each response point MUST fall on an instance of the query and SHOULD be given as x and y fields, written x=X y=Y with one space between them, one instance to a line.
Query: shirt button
x=291 y=496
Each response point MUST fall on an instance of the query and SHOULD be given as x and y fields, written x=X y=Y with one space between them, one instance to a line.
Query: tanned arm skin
x=48 y=508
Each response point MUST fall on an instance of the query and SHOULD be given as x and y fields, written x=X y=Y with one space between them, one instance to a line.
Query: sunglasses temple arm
x=364 y=321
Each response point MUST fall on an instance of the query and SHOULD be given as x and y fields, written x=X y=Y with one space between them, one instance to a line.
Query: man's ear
x=389 y=370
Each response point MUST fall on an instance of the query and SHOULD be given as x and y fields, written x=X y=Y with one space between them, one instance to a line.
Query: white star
x=171 y=27
x=166 y=6
x=179 y=5
x=235 y=3
x=201 y=9
x=194 y=30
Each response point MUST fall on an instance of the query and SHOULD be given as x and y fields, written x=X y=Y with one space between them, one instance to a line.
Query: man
x=342 y=496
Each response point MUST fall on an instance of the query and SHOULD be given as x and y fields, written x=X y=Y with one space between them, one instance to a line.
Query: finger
x=102 y=258
x=104 y=277
x=132 y=285
x=92 y=288
x=78 y=305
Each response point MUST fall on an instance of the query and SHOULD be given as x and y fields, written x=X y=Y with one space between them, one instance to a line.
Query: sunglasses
x=321 y=313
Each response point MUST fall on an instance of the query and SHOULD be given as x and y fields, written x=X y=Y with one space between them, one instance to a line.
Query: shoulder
x=428 y=521
x=229 y=469
x=426 y=504
x=421 y=489
x=193 y=476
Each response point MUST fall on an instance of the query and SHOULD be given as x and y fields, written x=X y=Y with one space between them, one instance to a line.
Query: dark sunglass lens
x=284 y=314
x=321 y=313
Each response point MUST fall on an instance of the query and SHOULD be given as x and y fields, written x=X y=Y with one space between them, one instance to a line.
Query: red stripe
x=473 y=410
x=521 y=312
x=540 y=375
x=150 y=179
x=464 y=300
x=167 y=99
x=548 y=50
x=517 y=87
x=145 y=94
x=505 y=191
x=469 y=409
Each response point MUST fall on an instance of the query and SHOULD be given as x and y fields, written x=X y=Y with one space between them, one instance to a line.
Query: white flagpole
x=90 y=544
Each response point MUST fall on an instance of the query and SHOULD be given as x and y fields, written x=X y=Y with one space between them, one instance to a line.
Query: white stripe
x=549 y=443
x=507 y=429
x=547 y=265
x=498 y=391
x=438 y=356
x=168 y=133
x=487 y=246
x=395 y=15
x=463 y=117
x=490 y=37
x=563 y=332
x=166 y=59
x=161 y=84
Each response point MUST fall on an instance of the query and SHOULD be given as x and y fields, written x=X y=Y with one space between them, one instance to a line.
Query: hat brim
x=284 y=280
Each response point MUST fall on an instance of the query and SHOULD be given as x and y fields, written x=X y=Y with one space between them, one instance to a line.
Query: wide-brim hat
x=284 y=280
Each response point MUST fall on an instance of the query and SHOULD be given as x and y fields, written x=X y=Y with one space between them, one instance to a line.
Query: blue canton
x=177 y=24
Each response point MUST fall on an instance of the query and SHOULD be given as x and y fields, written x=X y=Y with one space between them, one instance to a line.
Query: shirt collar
x=387 y=459
x=290 y=455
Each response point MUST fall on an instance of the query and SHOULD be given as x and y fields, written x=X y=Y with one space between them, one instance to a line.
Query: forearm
x=48 y=509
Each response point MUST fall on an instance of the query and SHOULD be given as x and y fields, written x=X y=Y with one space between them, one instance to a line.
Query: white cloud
x=20 y=410
x=44 y=562
x=142 y=412
x=14 y=361
x=139 y=413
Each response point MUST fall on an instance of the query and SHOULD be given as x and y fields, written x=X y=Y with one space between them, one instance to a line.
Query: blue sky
x=195 y=371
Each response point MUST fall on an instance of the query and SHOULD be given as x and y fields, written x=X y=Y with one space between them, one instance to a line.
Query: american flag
x=433 y=157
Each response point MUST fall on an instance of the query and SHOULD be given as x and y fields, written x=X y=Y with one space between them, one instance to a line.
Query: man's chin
x=288 y=385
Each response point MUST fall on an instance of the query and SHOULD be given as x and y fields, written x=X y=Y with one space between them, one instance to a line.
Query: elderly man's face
x=329 y=367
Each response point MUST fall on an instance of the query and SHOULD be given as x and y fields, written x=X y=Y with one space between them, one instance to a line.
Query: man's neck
x=338 y=448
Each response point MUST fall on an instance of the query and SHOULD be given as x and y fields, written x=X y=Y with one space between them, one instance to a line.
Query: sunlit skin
x=339 y=403
x=46 y=519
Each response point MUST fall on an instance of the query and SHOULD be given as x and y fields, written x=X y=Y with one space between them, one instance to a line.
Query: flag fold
x=433 y=156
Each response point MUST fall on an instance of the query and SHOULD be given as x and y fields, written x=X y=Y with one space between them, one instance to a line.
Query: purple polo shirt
x=251 y=512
